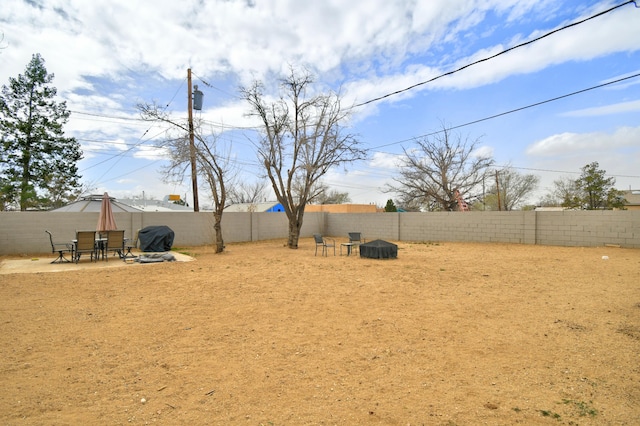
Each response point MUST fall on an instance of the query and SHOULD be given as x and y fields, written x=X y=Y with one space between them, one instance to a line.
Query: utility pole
x=192 y=146
x=498 y=191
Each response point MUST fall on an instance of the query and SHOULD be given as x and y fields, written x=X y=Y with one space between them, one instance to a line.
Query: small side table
x=349 y=246
x=101 y=246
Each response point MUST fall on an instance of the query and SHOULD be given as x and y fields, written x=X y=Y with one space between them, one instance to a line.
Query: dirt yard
x=447 y=334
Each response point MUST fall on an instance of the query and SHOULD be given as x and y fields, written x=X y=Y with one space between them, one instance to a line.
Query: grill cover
x=379 y=249
x=155 y=238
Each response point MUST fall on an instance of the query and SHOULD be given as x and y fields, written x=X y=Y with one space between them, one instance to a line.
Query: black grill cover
x=155 y=238
x=379 y=249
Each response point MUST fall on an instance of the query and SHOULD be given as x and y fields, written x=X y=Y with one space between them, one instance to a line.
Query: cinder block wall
x=589 y=228
x=23 y=232
x=473 y=226
x=372 y=226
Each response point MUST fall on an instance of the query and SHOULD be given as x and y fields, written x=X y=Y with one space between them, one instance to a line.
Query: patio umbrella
x=106 y=221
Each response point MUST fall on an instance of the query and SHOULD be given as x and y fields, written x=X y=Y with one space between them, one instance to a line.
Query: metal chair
x=115 y=243
x=85 y=242
x=356 y=238
x=325 y=243
x=129 y=244
x=61 y=248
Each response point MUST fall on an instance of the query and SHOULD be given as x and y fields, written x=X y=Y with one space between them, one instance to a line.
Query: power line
x=115 y=117
x=494 y=56
x=511 y=111
x=214 y=87
x=564 y=171
x=132 y=146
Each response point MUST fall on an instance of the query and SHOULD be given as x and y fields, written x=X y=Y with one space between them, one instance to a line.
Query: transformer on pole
x=197 y=98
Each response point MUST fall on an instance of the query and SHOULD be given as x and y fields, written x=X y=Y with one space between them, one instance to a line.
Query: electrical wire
x=115 y=117
x=214 y=87
x=510 y=111
x=376 y=149
x=494 y=56
x=228 y=127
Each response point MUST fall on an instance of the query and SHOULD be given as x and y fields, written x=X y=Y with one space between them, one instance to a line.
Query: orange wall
x=341 y=208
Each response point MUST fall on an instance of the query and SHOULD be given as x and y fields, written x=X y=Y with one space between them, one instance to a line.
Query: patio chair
x=115 y=243
x=325 y=243
x=131 y=244
x=356 y=238
x=61 y=249
x=85 y=242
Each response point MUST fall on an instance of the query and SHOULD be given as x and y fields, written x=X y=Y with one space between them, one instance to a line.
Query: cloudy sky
x=108 y=56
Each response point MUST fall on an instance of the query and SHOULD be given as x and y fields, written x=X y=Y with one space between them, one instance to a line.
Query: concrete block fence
x=23 y=232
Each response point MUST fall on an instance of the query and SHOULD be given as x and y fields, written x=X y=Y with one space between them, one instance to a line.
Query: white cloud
x=151 y=153
x=103 y=51
x=616 y=33
x=592 y=143
x=386 y=161
x=118 y=36
x=618 y=108
x=484 y=151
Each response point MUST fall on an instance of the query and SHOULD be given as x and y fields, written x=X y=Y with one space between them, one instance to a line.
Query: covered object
x=379 y=249
x=155 y=238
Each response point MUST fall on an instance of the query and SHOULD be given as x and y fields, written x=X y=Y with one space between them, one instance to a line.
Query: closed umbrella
x=106 y=221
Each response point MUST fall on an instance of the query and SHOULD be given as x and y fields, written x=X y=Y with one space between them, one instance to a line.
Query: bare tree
x=243 y=192
x=514 y=188
x=432 y=172
x=332 y=197
x=211 y=163
x=410 y=204
x=302 y=138
x=566 y=193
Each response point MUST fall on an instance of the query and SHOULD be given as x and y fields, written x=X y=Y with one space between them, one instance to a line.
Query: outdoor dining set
x=107 y=238
x=94 y=244
x=355 y=240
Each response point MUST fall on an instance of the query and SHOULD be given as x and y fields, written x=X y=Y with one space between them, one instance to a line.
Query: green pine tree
x=598 y=190
x=38 y=164
x=390 y=207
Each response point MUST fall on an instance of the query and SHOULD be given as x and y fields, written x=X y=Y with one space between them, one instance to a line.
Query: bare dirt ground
x=447 y=334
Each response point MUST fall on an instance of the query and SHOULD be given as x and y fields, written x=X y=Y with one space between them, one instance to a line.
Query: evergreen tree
x=390 y=207
x=38 y=164
x=598 y=191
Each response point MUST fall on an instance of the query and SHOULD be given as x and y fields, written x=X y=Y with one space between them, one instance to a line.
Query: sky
x=108 y=56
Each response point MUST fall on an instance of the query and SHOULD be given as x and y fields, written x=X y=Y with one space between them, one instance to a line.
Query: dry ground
x=447 y=334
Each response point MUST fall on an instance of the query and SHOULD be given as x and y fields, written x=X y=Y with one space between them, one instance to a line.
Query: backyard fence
x=23 y=232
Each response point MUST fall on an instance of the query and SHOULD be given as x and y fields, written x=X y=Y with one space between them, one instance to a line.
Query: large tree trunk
x=217 y=226
x=295 y=225
x=294 y=234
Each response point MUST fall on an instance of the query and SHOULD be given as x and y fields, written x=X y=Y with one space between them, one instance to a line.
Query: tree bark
x=217 y=226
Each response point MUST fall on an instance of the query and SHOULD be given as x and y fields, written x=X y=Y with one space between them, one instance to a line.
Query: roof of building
x=632 y=196
x=342 y=208
x=251 y=207
x=157 y=205
x=550 y=209
x=92 y=204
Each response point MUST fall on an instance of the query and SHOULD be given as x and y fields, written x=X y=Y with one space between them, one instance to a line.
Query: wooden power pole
x=192 y=146
x=498 y=191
